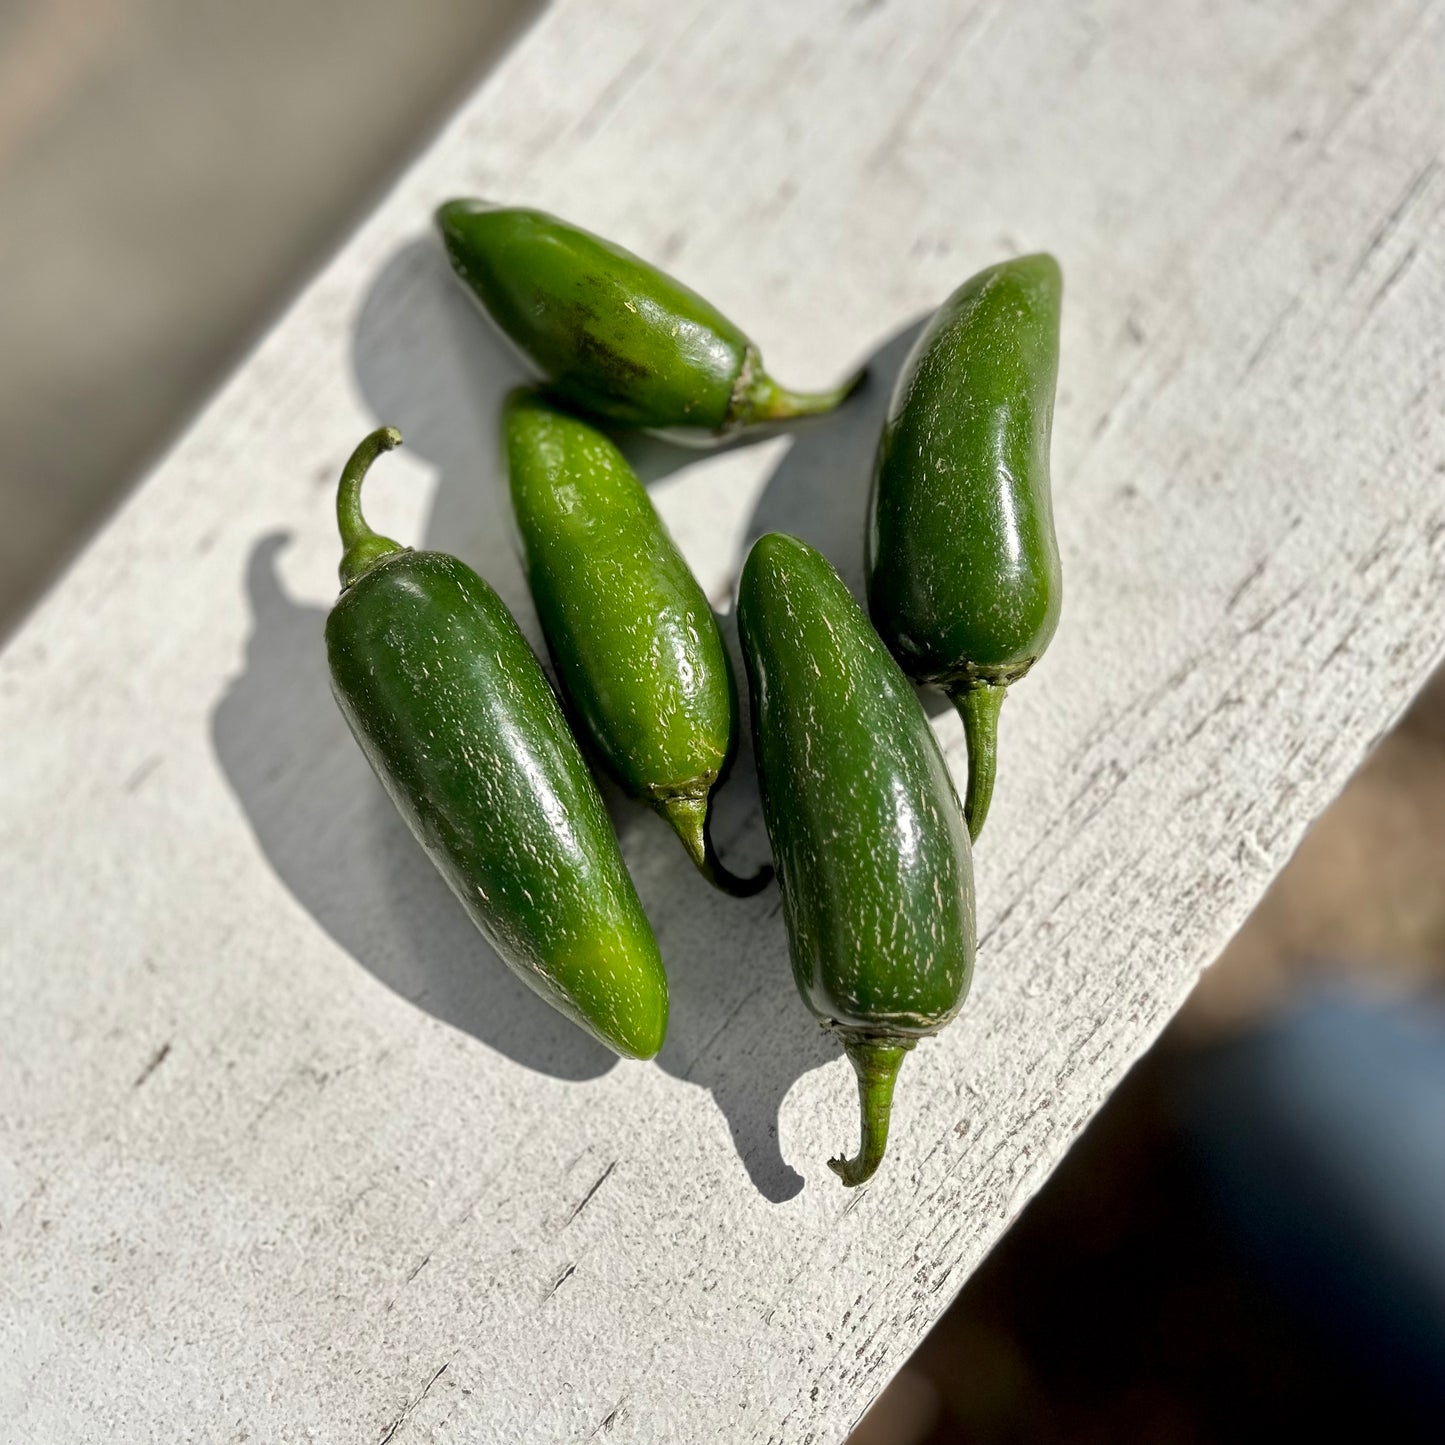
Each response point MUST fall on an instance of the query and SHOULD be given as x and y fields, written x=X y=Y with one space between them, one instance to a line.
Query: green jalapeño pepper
x=612 y=334
x=454 y=714
x=634 y=641
x=872 y=854
x=963 y=568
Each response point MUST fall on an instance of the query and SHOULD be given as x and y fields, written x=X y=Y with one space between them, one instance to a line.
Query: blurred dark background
x=1249 y=1242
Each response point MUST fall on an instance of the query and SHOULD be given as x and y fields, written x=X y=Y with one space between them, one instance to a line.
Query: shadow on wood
x=339 y=845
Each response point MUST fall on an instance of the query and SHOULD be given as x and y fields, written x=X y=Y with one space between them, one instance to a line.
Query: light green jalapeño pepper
x=634 y=640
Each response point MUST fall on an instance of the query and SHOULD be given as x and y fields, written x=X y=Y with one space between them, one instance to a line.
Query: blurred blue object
x=1323 y=1139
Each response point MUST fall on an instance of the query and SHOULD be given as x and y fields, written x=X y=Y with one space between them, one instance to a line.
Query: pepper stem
x=362 y=548
x=876 y=1061
x=763 y=400
x=978 y=706
x=689 y=818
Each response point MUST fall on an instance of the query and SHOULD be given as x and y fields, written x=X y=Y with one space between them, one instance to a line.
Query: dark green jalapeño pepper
x=630 y=631
x=963 y=568
x=612 y=334
x=454 y=714
x=872 y=854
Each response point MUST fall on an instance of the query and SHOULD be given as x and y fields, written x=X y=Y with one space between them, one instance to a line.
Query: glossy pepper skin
x=455 y=716
x=963 y=568
x=611 y=334
x=871 y=849
x=631 y=633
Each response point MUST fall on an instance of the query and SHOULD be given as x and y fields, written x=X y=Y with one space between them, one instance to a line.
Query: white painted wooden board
x=285 y=1156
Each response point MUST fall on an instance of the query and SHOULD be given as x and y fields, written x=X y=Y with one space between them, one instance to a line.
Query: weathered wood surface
x=285 y=1157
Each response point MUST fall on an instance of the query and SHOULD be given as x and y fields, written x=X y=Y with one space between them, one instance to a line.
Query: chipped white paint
x=284 y=1158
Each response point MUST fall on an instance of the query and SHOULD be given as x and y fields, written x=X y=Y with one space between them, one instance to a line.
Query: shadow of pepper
x=738 y=1029
x=429 y=364
x=337 y=843
x=820 y=491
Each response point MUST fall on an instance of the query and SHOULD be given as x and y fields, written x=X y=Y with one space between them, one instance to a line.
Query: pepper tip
x=979 y=706
x=362 y=548
x=876 y=1060
x=689 y=818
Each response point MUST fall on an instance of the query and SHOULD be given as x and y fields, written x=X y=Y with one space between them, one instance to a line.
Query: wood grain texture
x=285 y=1156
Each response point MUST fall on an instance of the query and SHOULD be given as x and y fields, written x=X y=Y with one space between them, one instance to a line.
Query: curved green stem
x=362 y=548
x=763 y=400
x=978 y=706
x=876 y=1060
x=689 y=819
